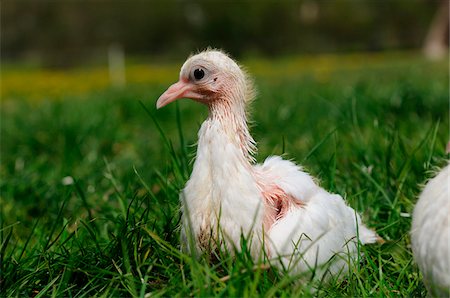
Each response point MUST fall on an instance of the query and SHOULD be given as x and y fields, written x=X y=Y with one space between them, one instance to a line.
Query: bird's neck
x=233 y=119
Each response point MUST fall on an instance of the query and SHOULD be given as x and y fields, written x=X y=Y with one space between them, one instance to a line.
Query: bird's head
x=210 y=77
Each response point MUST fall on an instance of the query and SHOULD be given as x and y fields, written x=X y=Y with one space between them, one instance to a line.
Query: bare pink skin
x=222 y=101
x=276 y=204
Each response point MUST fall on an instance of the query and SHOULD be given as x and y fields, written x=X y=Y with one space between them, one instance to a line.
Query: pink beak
x=181 y=89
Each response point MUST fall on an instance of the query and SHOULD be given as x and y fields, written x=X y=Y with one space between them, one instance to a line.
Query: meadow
x=90 y=173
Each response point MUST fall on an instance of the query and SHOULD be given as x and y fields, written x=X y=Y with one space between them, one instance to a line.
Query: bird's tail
x=368 y=236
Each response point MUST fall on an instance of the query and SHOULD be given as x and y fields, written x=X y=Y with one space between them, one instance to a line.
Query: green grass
x=89 y=186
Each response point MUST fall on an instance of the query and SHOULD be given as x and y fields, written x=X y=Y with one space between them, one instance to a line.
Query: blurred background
x=117 y=43
x=73 y=33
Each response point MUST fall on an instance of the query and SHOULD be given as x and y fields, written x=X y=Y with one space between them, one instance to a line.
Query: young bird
x=430 y=234
x=276 y=206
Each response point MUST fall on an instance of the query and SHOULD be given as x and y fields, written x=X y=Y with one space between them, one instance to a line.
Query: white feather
x=222 y=187
x=311 y=235
x=289 y=177
x=430 y=234
x=277 y=206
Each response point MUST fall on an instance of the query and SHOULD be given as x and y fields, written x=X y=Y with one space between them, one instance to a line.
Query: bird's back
x=430 y=234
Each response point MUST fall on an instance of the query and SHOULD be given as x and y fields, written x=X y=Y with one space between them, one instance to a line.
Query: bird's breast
x=222 y=191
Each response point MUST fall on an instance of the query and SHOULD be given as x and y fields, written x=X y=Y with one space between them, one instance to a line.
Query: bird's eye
x=199 y=74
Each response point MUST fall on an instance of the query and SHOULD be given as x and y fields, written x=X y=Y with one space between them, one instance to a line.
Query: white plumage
x=277 y=206
x=430 y=234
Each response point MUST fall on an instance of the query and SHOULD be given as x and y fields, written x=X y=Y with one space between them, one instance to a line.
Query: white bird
x=277 y=206
x=430 y=234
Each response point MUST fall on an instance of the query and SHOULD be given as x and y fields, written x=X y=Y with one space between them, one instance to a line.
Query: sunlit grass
x=89 y=186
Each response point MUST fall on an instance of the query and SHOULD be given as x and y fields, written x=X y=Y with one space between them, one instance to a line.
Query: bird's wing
x=285 y=185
